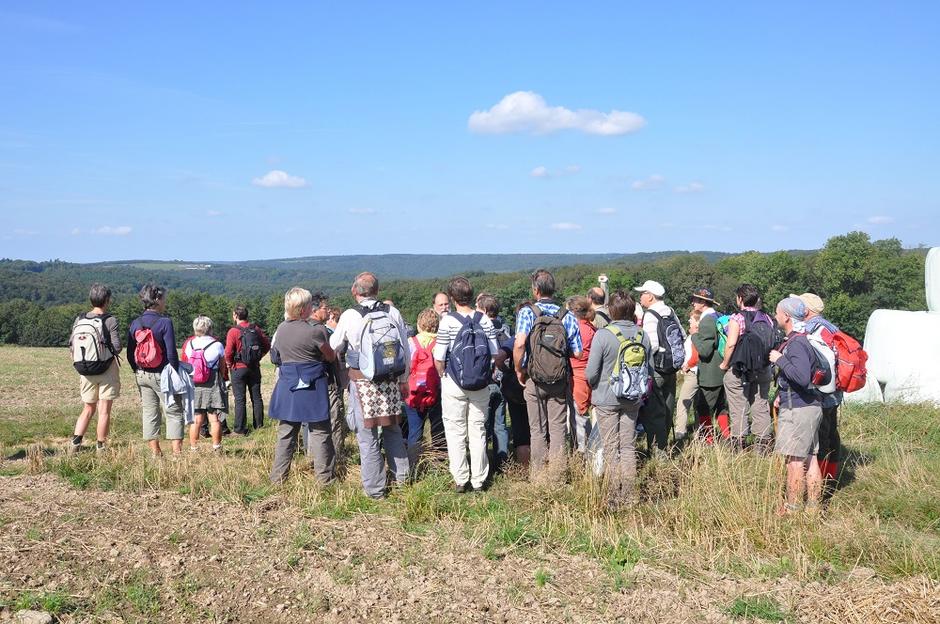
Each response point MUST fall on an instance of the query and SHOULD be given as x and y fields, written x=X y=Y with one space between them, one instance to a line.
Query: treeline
x=852 y=273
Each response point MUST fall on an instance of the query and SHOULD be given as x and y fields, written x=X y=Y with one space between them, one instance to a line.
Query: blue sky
x=209 y=131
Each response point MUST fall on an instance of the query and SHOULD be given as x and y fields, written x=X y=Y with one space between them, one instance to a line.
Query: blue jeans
x=496 y=426
x=416 y=420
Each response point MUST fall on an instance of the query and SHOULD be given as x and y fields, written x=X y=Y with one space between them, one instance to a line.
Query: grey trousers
x=151 y=399
x=548 y=426
x=319 y=449
x=751 y=397
x=338 y=422
x=371 y=441
x=618 y=431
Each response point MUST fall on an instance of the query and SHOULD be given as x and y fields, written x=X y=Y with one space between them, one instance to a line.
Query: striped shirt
x=447 y=332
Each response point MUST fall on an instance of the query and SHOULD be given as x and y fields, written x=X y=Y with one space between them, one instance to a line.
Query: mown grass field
x=706 y=514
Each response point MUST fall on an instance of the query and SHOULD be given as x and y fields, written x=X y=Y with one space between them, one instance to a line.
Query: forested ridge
x=853 y=274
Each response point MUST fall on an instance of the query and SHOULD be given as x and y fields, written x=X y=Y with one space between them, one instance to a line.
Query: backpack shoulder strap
x=655 y=313
x=537 y=311
x=477 y=317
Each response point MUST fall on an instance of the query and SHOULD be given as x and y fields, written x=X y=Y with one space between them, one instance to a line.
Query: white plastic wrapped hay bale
x=903 y=349
x=932 y=279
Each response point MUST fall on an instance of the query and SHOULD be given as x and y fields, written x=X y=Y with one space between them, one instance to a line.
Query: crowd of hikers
x=587 y=377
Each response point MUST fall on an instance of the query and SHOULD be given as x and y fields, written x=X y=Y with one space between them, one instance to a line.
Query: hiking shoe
x=100 y=447
x=460 y=488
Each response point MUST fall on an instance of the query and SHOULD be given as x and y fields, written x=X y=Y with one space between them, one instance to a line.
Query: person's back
x=245 y=345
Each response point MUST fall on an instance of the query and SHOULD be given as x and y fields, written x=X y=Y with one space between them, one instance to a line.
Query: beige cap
x=813 y=303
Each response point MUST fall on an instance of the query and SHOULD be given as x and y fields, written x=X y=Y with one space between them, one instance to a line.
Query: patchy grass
x=758 y=608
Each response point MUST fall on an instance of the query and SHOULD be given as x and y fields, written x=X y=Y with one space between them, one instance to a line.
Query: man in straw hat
x=711 y=390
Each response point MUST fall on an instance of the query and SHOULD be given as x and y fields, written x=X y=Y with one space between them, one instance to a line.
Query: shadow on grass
x=852 y=459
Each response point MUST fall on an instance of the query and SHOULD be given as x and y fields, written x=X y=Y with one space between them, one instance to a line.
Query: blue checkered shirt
x=526 y=319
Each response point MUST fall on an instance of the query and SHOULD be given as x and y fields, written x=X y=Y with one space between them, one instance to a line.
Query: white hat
x=654 y=288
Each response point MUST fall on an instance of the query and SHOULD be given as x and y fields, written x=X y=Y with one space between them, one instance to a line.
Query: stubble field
x=119 y=536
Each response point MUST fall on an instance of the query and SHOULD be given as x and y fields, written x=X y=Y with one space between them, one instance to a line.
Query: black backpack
x=751 y=353
x=671 y=354
x=250 y=353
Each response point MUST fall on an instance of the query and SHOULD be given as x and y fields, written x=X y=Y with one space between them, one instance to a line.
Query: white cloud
x=215 y=213
x=780 y=228
x=279 y=179
x=607 y=211
x=76 y=231
x=566 y=226
x=691 y=187
x=653 y=182
x=362 y=211
x=880 y=220
x=527 y=111
x=545 y=172
x=497 y=226
x=115 y=230
x=23 y=232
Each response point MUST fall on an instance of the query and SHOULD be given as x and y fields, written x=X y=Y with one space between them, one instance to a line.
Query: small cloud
x=653 y=182
x=880 y=220
x=21 y=232
x=215 y=213
x=279 y=179
x=667 y=224
x=566 y=226
x=716 y=228
x=607 y=211
x=527 y=111
x=780 y=228
x=691 y=187
x=544 y=172
x=362 y=211
x=76 y=231
x=117 y=230
x=497 y=226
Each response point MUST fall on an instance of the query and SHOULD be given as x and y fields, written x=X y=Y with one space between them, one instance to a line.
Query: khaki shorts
x=103 y=387
x=798 y=431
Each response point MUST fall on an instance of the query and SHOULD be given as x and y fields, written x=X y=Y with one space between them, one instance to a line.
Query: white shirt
x=213 y=354
x=450 y=325
x=349 y=327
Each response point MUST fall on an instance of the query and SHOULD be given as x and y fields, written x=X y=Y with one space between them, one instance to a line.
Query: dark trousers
x=250 y=379
x=829 y=441
x=657 y=414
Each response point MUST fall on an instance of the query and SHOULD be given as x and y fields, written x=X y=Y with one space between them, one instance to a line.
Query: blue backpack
x=469 y=363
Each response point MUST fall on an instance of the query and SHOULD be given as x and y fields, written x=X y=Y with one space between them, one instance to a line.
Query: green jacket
x=710 y=374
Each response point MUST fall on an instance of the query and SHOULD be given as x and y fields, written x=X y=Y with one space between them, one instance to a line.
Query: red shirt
x=587 y=335
x=233 y=344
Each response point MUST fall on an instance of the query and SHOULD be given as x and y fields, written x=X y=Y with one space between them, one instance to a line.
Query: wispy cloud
x=497 y=226
x=780 y=228
x=362 y=211
x=545 y=172
x=528 y=112
x=23 y=232
x=691 y=187
x=108 y=230
x=279 y=179
x=607 y=210
x=650 y=183
x=215 y=213
x=566 y=226
x=880 y=220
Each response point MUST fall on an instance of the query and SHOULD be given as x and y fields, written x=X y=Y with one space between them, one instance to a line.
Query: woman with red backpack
x=424 y=390
x=206 y=355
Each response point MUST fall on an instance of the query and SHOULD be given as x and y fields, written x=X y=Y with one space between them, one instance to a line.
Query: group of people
x=609 y=361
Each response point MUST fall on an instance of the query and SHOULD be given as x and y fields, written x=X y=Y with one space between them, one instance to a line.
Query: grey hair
x=99 y=295
x=202 y=325
x=366 y=285
x=544 y=282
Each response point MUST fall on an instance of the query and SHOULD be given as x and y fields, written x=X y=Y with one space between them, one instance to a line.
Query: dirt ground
x=162 y=556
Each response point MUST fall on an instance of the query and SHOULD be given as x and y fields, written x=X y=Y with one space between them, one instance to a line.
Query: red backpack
x=424 y=382
x=147 y=353
x=850 y=365
x=851 y=358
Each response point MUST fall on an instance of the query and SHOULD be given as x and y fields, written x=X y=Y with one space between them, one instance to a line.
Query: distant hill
x=57 y=282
